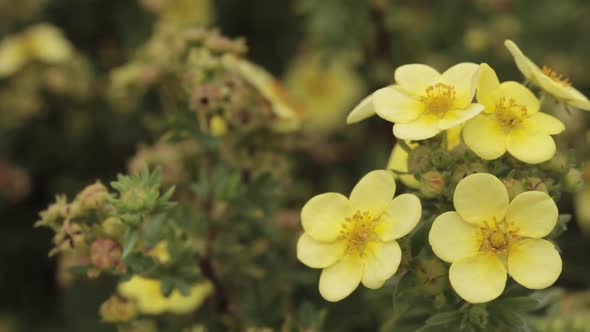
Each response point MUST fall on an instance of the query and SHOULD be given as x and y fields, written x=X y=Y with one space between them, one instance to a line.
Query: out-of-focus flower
x=354 y=239
x=117 y=309
x=287 y=118
x=41 y=42
x=510 y=122
x=160 y=252
x=149 y=299
x=424 y=102
x=488 y=237
x=323 y=89
x=15 y=182
x=582 y=202
x=547 y=79
x=105 y=253
x=181 y=12
x=398 y=163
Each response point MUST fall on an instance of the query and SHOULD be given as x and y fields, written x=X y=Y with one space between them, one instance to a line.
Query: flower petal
x=530 y=147
x=478 y=279
x=456 y=117
x=577 y=99
x=394 y=105
x=544 y=123
x=381 y=262
x=341 y=279
x=323 y=215
x=488 y=86
x=13 y=56
x=534 y=263
x=319 y=254
x=521 y=95
x=556 y=89
x=453 y=239
x=463 y=77
x=364 y=110
x=534 y=213
x=485 y=137
x=400 y=218
x=373 y=192
x=398 y=162
x=524 y=64
x=481 y=197
x=426 y=126
x=416 y=77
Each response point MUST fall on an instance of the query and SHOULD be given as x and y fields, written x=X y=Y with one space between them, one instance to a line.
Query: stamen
x=358 y=231
x=509 y=113
x=497 y=236
x=439 y=98
x=555 y=76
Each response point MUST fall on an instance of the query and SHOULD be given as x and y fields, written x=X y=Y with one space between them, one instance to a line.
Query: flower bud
x=513 y=186
x=419 y=159
x=117 y=309
x=432 y=184
x=69 y=237
x=93 y=196
x=113 y=227
x=105 y=253
x=535 y=183
x=431 y=276
x=573 y=180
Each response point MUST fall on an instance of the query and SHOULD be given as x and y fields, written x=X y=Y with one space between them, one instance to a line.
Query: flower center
x=439 y=98
x=555 y=76
x=497 y=236
x=509 y=113
x=358 y=230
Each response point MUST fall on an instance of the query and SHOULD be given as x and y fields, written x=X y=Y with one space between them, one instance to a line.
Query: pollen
x=555 y=76
x=439 y=98
x=358 y=230
x=497 y=236
x=509 y=113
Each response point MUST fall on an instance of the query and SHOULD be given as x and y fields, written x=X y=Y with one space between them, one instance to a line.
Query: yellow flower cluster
x=506 y=117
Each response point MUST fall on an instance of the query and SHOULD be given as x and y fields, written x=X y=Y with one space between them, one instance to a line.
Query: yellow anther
x=559 y=78
x=439 y=98
x=509 y=113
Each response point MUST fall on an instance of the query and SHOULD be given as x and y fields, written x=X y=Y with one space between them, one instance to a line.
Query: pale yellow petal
x=478 y=279
x=521 y=95
x=488 y=86
x=323 y=215
x=393 y=105
x=481 y=197
x=49 y=44
x=426 y=126
x=524 y=64
x=416 y=77
x=544 y=123
x=452 y=239
x=373 y=192
x=556 y=89
x=534 y=263
x=463 y=77
x=578 y=100
x=530 y=147
x=459 y=116
x=485 y=137
x=13 y=56
x=341 y=279
x=180 y=304
x=381 y=262
x=534 y=213
x=398 y=162
x=317 y=254
x=362 y=111
x=400 y=218
x=454 y=136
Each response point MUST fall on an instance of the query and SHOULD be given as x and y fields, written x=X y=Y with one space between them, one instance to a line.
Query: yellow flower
x=547 y=79
x=323 y=90
x=423 y=102
x=354 y=239
x=41 y=42
x=160 y=252
x=510 y=122
x=186 y=12
x=269 y=87
x=149 y=299
x=487 y=238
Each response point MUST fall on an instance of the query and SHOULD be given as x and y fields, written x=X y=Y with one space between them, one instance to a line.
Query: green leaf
x=521 y=304
x=443 y=318
x=129 y=241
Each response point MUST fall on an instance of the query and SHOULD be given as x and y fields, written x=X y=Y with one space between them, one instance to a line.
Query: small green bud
x=534 y=183
x=431 y=276
x=93 y=197
x=573 y=180
x=432 y=184
x=113 y=227
x=419 y=159
x=105 y=253
x=513 y=186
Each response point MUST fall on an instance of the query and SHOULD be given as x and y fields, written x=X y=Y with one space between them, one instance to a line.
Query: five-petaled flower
x=354 y=239
x=424 y=102
x=510 y=122
x=548 y=79
x=487 y=238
